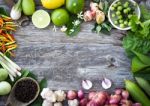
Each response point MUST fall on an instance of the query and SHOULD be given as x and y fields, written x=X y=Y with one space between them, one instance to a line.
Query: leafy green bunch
x=138 y=39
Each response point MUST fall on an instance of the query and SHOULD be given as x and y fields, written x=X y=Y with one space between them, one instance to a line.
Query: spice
x=25 y=90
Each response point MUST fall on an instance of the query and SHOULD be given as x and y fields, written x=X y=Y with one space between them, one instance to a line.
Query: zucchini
x=136 y=93
x=144 y=84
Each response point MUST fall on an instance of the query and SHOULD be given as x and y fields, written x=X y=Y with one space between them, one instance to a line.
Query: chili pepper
x=7 y=40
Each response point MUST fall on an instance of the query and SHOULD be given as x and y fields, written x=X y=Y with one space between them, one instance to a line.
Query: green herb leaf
x=133 y=42
x=98 y=28
x=96 y=1
x=3 y=11
x=145 y=12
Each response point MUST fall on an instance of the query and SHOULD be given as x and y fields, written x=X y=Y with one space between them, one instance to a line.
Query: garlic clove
x=106 y=83
x=47 y=103
x=87 y=84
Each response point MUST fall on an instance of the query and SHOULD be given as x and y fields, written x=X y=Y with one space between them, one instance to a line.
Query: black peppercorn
x=25 y=90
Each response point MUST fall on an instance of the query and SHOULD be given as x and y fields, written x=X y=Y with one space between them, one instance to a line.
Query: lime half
x=41 y=19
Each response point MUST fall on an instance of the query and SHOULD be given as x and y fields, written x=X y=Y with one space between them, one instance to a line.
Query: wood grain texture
x=66 y=61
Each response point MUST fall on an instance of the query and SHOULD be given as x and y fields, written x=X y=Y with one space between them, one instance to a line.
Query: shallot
x=125 y=94
x=91 y=95
x=92 y=103
x=80 y=94
x=71 y=95
x=118 y=91
x=106 y=83
x=100 y=98
x=83 y=102
x=114 y=99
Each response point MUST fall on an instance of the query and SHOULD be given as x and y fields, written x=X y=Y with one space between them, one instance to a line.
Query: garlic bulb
x=58 y=104
x=47 y=103
x=48 y=95
x=74 y=102
x=61 y=95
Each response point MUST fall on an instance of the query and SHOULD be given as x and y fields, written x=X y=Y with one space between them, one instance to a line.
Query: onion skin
x=71 y=95
x=83 y=102
x=80 y=94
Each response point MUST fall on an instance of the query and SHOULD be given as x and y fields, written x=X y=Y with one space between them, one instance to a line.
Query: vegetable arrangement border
x=123 y=14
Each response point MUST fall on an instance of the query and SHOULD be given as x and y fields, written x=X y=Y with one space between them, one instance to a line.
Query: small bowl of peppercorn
x=24 y=92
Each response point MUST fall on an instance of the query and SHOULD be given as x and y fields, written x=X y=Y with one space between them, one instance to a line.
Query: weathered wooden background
x=66 y=61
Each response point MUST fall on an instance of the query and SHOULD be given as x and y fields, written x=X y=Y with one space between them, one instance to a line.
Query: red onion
x=114 y=99
x=118 y=91
x=71 y=95
x=80 y=94
x=91 y=95
x=125 y=94
x=100 y=98
x=92 y=103
x=136 y=104
x=83 y=102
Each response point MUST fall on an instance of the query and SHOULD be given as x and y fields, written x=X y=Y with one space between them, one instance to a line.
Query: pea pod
x=137 y=94
x=144 y=84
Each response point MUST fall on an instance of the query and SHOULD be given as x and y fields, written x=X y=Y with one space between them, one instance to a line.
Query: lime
x=75 y=6
x=60 y=17
x=41 y=19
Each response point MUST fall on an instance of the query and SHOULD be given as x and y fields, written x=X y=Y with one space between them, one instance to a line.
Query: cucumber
x=143 y=84
x=136 y=93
